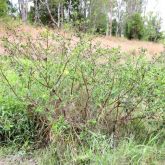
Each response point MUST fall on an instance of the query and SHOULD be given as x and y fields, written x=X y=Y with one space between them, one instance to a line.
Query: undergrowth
x=82 y=103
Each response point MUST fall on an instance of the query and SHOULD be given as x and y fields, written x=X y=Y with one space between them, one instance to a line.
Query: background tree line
x=109 y=17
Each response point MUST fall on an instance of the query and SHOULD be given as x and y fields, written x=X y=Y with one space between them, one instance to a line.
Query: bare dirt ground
x=16 y=160
x=133 y=46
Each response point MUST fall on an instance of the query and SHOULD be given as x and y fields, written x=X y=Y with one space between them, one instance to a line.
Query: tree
x=11 y=8
x=110 y=17
x=110 y=5
x=3 y=8
x=119 y=16
x=134 y=27
x=134 y=6
x=23 y=8
x=152 y=30
x=114 y=27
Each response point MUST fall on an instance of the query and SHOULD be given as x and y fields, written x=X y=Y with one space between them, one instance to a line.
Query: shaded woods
x=109 y=17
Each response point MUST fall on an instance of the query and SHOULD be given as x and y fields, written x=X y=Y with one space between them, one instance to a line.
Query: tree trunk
x=69 y=10
x=36 y=8
x=50 y=14
x=62 y=14
x=110 y=17
x=23 y=7
x=59 y=15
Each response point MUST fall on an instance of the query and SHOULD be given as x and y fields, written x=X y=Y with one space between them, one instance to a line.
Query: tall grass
x=100 y=152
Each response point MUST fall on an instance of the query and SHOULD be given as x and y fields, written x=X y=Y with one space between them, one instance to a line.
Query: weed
x=54 y=93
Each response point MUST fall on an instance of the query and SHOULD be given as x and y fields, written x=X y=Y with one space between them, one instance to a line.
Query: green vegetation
x=134 y=27
x=127 y=152
x=152 y=30
x=83 y=104
x=3 y=8
x=105 y=17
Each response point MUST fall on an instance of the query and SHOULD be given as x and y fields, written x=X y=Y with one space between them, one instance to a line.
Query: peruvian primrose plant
x=55 y=91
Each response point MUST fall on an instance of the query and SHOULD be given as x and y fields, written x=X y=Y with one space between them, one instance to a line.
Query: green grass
x=127 y=152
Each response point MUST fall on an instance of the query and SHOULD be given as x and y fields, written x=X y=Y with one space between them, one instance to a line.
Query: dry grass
x=132 y=47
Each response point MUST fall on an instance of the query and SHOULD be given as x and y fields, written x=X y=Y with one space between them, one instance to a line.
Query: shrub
x=134 y=27
x=152 y=30
x=3 y=8
x=59 y=93
x=114 y=27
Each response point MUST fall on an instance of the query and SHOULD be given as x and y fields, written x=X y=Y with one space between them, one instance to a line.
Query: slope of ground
x=144 y=153
x=125 y=45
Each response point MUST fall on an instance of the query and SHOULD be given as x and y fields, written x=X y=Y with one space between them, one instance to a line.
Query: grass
x=127 y=152
x=64 y=106
x=99 y=152
x=131 y=47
